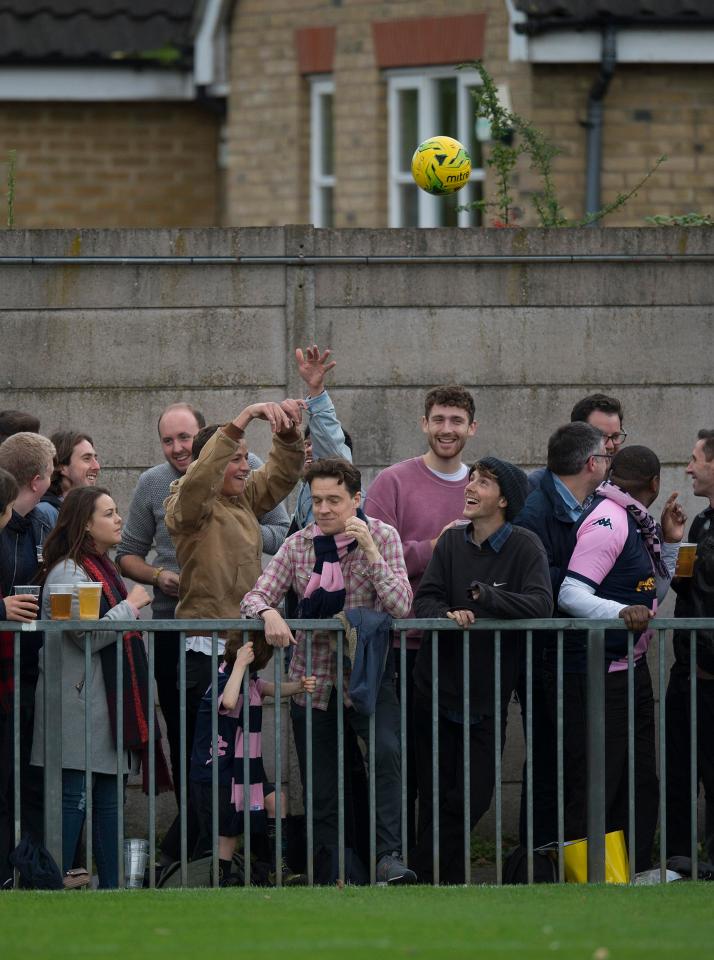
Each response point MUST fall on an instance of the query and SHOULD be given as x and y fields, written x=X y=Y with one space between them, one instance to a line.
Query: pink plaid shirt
x=382 y=585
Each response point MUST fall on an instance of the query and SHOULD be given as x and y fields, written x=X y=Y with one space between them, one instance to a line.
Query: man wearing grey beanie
x=486 y=568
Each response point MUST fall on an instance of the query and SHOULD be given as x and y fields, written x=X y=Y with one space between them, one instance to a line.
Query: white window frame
x=422 y=81
x=320 y=86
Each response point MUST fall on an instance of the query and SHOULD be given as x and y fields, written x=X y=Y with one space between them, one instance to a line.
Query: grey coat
x=103 y=754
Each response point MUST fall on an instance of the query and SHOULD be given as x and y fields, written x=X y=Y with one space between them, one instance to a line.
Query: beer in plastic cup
x=61 y=601
x=89 y=597
x=28 y=590
x=685 y=560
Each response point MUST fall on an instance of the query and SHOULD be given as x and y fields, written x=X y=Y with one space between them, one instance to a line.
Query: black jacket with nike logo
x=514 y=584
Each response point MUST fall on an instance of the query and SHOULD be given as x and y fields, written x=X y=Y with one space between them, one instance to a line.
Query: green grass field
x=592 y=923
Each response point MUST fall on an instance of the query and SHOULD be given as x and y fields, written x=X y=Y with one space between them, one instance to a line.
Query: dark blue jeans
x=104 y=822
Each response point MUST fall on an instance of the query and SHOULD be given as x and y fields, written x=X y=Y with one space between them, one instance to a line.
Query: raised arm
x=326 y=433
x=271 y=483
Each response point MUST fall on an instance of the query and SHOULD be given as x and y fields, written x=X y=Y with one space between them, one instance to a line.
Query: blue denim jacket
x=328 y=440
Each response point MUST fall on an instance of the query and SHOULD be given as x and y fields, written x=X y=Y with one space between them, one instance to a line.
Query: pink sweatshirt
x=419 y=504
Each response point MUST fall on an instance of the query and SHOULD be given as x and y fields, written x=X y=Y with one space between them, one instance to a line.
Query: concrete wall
x=103 y=348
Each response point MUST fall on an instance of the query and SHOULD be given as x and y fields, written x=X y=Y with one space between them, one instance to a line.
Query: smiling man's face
x=176 y=431
x=447 y=429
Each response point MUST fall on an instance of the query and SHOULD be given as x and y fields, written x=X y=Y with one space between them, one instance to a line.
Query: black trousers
x=616 y=786
x=324 y=768
x=166 y=646
x=482 y=752
x=198 y=680
x=678 y=745
x=545 y=759
x=31 y=780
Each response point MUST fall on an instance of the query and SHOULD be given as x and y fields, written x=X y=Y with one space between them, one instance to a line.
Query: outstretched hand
x=313 y=366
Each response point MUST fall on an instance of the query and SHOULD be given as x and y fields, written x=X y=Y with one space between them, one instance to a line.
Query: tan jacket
x=217 y=539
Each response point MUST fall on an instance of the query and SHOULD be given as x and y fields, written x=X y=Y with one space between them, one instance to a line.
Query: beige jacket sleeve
x=270 y=484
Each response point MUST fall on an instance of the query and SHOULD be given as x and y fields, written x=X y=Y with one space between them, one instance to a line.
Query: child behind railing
x=236 y=658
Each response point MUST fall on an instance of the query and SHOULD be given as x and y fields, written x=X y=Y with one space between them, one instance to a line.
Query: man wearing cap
x=485 y=568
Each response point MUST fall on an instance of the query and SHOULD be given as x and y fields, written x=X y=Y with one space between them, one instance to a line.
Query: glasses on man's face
x=601 y=456
x=616 y=438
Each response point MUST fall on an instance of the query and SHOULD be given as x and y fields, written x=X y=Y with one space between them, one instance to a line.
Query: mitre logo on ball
x=441 y=165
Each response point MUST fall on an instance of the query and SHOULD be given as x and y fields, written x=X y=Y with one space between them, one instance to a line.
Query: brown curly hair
x=261 y=648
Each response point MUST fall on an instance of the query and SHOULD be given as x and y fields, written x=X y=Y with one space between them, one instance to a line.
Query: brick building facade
x=291 y=57
x=112 y=113
x=196 y=113
x=113 y=164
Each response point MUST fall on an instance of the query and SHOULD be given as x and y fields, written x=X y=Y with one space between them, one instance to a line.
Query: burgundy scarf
x=135 y=677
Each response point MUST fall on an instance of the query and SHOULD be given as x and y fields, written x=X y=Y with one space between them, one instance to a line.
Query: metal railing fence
x=595 y=748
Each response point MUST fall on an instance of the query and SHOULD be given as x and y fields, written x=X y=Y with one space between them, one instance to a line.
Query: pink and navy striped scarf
x=325 y=591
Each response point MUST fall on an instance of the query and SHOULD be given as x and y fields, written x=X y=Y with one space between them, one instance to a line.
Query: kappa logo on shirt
x=646 y=586
x=603 y=522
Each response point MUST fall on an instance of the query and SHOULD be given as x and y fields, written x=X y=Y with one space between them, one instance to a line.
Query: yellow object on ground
x=617 y=866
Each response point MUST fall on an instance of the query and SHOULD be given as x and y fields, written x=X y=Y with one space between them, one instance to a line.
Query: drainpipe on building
x=608 y=60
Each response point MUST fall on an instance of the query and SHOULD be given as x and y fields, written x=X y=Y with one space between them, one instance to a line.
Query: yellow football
x=441 y=165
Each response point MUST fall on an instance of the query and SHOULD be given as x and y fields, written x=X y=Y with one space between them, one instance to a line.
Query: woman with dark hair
x=87 y=527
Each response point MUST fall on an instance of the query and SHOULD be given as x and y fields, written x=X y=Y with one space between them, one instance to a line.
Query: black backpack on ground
x=36 y=866
x=200 y=872
x=683 y=865
x=515 y=867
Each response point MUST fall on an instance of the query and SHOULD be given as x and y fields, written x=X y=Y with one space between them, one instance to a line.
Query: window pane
x=408 y=128
x=446 y=212
x=408 y=205
x=447 y=119
x=326 y=203
x=327 y=165
x=475 y=192
x=468 y=136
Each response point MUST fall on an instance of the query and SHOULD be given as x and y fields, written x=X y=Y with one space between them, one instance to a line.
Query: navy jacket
x=545 y=514
x=18 y=565
x=374 y=637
